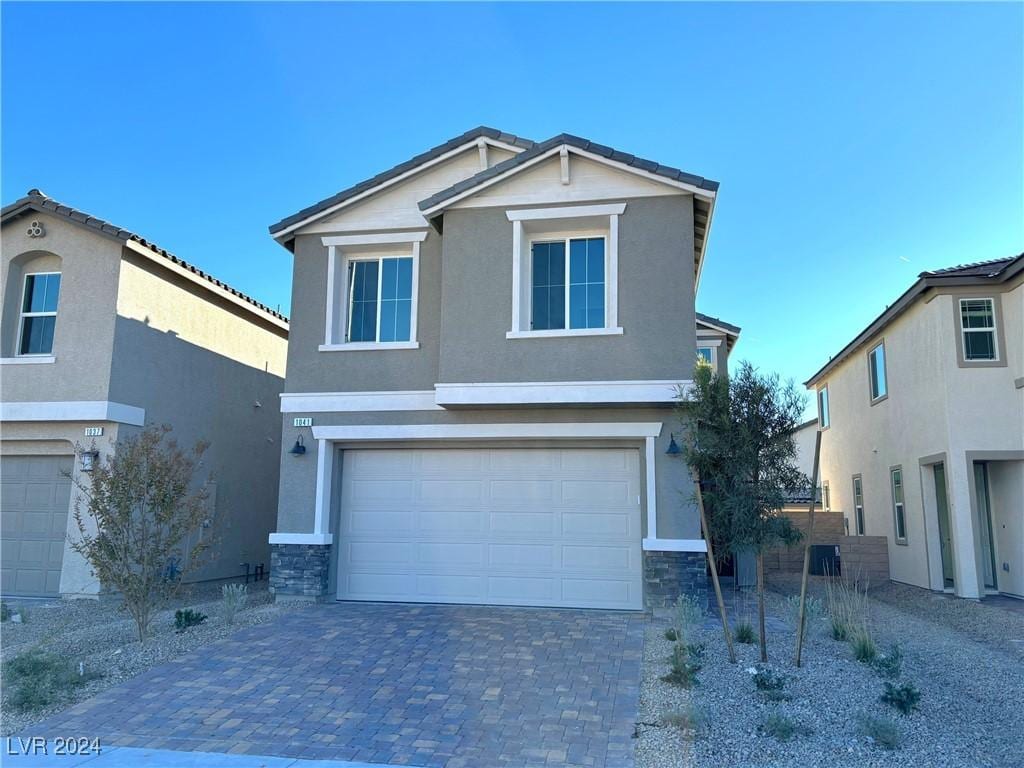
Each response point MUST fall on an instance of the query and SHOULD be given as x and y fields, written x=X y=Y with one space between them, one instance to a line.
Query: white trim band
x=553 y=430
x=27 y=360
x=555 y=333
x=79 y=410
x=341 y=402
x=566 y=212
x=675 y=545
x=376 y=238
x=554 y=393
x=363 y=346
x=301 y=538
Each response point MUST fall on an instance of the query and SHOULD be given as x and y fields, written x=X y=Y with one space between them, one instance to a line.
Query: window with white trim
x=858 y=504
x=898 y=507
x=826 y=497
x=565 y=271
x=978 y=329
x=876 y=372
x=706 y=355
x=379 y=299
x=823 y=418
x=38 y=319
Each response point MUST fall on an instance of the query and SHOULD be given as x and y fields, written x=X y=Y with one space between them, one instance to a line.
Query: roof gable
x=348 y=196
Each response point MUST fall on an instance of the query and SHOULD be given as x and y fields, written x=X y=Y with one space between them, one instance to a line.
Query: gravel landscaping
x=102 y=638
x=960 y=655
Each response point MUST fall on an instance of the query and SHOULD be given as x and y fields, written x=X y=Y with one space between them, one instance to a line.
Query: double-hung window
x=898 y=508
x=978 y=329
x=877 y=373
x=858 y=504
x=568 y=284
x=379 y=299
x=39 y=313
x=823 y=419
x=706 y=355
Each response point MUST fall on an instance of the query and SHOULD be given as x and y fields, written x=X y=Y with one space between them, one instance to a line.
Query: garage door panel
x=37 y=524
x=520 y=526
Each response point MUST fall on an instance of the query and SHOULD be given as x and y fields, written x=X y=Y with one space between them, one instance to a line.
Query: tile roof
x=37 y=201
x=425 y=157
x=573 y=141
x=708 y=319
x=990 y=268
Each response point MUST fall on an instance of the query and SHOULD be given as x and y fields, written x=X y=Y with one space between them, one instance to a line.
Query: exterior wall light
x=673 y=446
x=87 y=459
x=298 y=449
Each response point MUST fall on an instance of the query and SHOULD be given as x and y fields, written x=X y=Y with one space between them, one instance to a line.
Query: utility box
x=825 y=560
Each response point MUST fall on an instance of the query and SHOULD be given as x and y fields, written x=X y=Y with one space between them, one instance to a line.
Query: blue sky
x=856 y=144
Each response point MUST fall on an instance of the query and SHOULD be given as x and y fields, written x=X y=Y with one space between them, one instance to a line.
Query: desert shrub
x=234 y=597
x=904 y=697
x=864 y=649
x=813 y=610
x=883 y=731
x=689 y=719
x=183 y=619
x=685 y=662
x=744 y=633
x=890 y=664
x=689 y=615
x=37 y=679
x=671 y=634
x=781 y=727
x=767 y=679
x=847 y=605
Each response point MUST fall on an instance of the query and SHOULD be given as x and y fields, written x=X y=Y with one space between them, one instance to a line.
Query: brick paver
x=422 y=685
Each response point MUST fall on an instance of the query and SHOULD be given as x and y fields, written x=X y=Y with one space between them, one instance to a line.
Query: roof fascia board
x=283 y=235
x=206 y=285
x=718 y=328
x=555 y=150
x=704 y=245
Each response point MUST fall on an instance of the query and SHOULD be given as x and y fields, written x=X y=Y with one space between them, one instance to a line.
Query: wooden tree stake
x=714 y=571
x=807 y=548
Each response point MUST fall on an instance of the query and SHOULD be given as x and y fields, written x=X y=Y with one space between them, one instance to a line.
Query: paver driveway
x=427 y=685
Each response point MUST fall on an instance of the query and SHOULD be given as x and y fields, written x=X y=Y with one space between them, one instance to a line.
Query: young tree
x=146 y=505
x=740 y=443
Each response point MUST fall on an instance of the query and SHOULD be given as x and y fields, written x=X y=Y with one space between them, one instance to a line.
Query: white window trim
x=822 y=426
x=522 y=262
x=871 y=372
x=898 y=506
x=22 y=314
x=27 y=359
x=338 y=317
x=713 y=346
x=964 y=331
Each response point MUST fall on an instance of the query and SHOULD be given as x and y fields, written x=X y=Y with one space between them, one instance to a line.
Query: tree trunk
x=760 y=606
x=807 y=548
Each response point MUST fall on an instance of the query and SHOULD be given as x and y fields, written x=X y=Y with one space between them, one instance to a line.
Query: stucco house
x=487 y=342
x=923 y=430
x=104 y=332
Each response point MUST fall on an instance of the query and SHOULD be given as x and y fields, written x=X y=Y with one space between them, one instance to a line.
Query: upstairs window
x=858 y=504
x=706 y=355
x=877 y=373
x=823 y=420
x=826 y=497
x=380 y=299
x=39 y=313
x=978 y=328
x=572 y=287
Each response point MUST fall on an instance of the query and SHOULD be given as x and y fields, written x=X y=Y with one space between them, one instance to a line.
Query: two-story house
x=487 y=342
x=923 y=430
x=102 y=333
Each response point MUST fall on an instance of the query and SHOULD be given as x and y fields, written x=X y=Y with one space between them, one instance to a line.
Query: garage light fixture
x=87 y=459
x=673 y=446
x=298 y=449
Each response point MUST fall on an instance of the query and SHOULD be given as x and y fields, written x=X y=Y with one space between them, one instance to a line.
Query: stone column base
x=299 y=571
x=669 y=575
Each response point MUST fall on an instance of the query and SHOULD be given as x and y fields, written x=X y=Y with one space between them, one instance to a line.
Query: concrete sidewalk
x=131 y=757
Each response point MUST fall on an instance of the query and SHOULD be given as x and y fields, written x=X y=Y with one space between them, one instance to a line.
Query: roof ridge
x=970 y=265
x=39 y=199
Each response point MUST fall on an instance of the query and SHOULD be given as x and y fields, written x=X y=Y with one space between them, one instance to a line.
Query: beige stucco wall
x=935 y=410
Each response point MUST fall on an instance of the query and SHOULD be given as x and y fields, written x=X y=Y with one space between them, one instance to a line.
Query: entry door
x=945 y=536
x=36 y=495
x=984 y=521
x=508 y=526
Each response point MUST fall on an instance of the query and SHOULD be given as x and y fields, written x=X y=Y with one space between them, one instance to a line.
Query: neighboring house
x=486 y=346
x=104 y=332
x=715 y=340
x=923 y=420
x=804 y=439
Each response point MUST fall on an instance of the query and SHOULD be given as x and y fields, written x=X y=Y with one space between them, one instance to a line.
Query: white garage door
x=504 y=526
x=34 y=497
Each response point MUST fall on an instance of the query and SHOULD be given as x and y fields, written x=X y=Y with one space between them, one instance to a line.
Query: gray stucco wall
x=677 y=514
x=310 y=370
x=655 y=303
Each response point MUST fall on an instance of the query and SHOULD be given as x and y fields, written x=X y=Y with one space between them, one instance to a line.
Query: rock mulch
x=970 y=713
x=102 y=637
